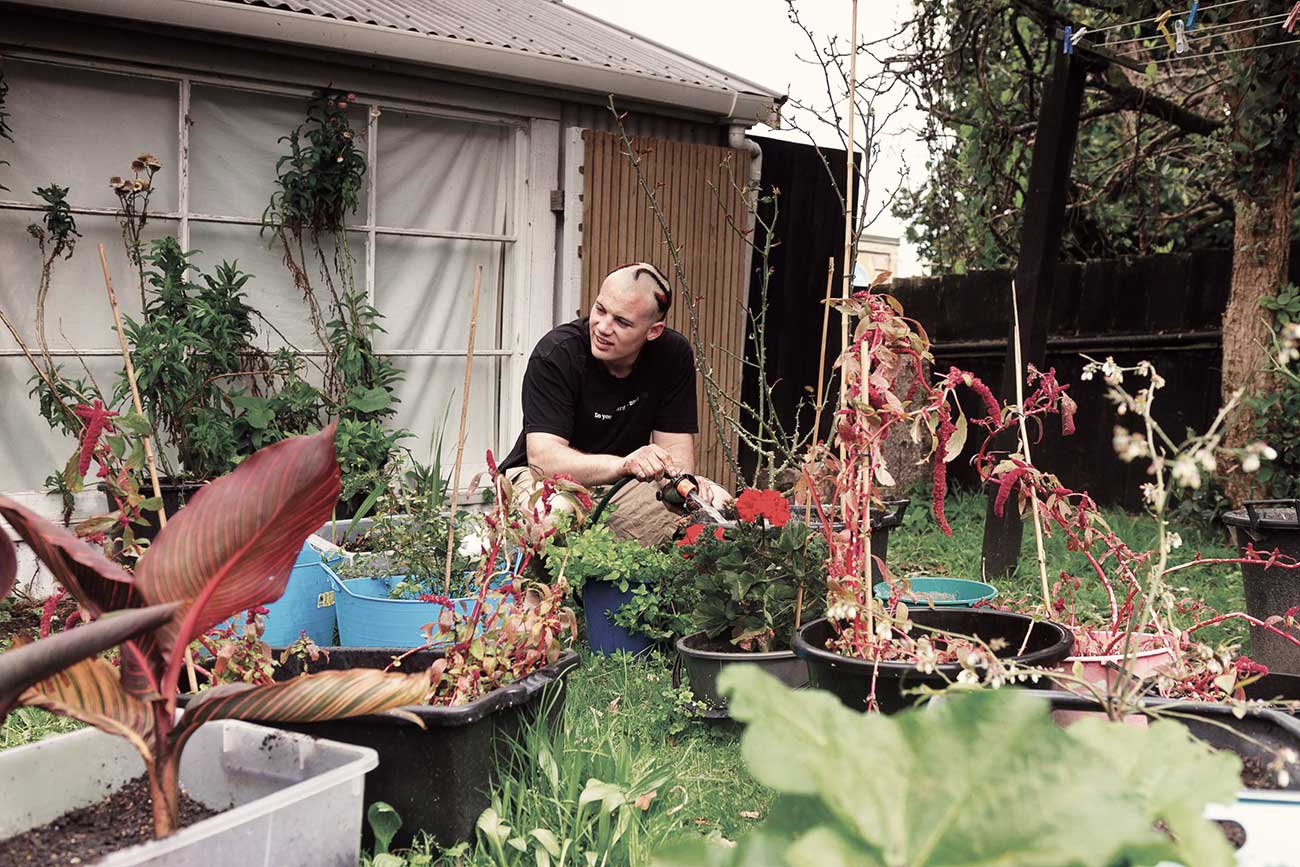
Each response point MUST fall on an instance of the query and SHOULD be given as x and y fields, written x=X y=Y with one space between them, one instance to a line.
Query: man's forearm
x=585 y=469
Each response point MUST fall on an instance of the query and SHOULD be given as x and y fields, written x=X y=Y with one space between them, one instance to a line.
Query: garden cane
x=460 y=436
x=148 y=444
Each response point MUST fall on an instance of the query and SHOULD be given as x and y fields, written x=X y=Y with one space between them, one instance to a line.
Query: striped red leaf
x=309 y=698
x=90 y=691
x=98 y=584
x=232 y=547
x=20 y=667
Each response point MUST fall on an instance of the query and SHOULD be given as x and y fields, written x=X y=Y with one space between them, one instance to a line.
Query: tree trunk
x=1259 y=269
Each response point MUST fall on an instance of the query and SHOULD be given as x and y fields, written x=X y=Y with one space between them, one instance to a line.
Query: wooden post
x=1040 y=248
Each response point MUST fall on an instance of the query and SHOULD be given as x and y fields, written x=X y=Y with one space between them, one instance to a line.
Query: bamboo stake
x=460 y=436
x=1024 y=444
x=817 y=416
x=148 y=444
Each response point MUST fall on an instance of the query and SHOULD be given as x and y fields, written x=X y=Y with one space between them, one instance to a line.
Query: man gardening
x=613 y=395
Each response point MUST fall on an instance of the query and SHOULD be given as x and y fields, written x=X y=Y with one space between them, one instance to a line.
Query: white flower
x=1205 y=457
x=1185 y=472
x=1111 y=371
x=473 y=546
x=1172 y=541
x=968 y=677
x=1250 y=463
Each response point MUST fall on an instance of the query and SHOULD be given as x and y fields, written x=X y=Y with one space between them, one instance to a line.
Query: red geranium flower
x=754 y=503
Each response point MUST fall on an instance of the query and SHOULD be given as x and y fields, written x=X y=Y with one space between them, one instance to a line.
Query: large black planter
x=703 y=665
x=174 y=496
x=1271 y=687
x=883 y=521
x=850 y=679
x=1269 y=525
x=437 y=778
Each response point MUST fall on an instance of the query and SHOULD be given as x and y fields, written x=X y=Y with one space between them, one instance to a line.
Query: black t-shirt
x=570 y=393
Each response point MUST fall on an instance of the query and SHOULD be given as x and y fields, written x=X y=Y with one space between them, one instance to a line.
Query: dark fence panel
x=1165 y=309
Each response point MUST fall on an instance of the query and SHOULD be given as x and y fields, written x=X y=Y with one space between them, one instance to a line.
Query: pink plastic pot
x=1152 y=652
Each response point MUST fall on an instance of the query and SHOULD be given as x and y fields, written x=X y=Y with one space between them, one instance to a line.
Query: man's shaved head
x=646 y=278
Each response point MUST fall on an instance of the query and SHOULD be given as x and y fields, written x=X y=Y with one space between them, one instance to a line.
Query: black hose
x=609 y=495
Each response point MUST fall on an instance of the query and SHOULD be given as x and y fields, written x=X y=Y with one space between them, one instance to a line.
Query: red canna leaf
x=233 y=546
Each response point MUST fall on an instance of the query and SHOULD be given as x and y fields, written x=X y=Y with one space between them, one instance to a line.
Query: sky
x=755 y=40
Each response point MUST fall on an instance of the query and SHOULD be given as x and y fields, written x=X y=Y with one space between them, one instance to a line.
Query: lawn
x=626 y=727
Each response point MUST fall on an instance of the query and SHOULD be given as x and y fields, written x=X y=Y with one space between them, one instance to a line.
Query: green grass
x=920 y=548
x=27 y=725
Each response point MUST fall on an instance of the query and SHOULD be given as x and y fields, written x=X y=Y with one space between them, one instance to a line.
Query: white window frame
x=522 y=317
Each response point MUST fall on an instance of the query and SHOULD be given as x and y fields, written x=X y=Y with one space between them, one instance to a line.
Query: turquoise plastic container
x=369 y=617
x=942 y=592
x=306 y=606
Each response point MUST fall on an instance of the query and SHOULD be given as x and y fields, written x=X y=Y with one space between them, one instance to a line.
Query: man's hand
x=713 y=494
x=648 y=463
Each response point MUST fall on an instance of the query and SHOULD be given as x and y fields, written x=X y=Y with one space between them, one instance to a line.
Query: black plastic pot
x=437 y=778
x=1270 y=687
x=1269 y=525
x=850 y=679
x=174 y=495
x=704 y=665
x=1260 y=734
x=882 y=522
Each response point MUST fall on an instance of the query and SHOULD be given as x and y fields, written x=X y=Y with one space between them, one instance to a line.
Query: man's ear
x=656 y=330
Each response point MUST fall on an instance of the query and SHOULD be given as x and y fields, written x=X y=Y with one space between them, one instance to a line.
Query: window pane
x=425 y=289
x=271 y=291
x=29 y=450
x=234 y=147
x=430 y=398
x=76 y=310
x=78 y=128
x=439 y=174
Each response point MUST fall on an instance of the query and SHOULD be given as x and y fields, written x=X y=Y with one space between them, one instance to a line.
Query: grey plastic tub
x=287 y=799
x=703 y=667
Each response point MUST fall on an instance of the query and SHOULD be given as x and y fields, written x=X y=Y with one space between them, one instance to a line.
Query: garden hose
x=609 y=495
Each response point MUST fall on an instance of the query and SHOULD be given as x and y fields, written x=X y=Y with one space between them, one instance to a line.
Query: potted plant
x=872 y=652
x=493 y=668
x=749 y=581
x=391 y=574
x=230 y=550
x=608 y=573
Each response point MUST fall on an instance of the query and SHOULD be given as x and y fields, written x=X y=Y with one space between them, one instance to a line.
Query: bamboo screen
x=697 y=190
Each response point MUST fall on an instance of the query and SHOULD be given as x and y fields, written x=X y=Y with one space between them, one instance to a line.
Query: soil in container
x=24 y=618
x=83 y=836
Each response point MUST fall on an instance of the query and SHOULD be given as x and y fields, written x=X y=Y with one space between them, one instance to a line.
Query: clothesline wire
x=1198 y=33
x=1199 y=10
x=1191 y=56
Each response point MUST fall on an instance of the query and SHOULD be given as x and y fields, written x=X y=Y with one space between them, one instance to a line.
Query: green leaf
x=258 y=411
x=384 y=859
x=936 y=785
x=134 y=423
x=72 y=473
x=370 y=400
x=384 y=823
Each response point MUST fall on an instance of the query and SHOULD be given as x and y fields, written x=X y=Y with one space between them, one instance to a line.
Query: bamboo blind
x=698 y=191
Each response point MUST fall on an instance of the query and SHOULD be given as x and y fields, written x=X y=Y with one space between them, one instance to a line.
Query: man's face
x=624 y=318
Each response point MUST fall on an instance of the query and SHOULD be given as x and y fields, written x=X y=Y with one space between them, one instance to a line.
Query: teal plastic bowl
x=942 y=592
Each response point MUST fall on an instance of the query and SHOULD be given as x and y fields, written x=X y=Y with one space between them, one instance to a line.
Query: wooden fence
x=698 y=191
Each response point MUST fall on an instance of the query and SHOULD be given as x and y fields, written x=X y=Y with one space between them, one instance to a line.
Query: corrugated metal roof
x=543 y=27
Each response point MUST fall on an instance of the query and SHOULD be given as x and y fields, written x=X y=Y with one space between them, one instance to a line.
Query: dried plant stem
x=40 y=371
x=1024 y=446
x=146 y=439
x=460 y=436
x=817 y=420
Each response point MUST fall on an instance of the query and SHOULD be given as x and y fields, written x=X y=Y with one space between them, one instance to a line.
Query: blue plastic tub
x=369 y=617
x=941 y=592
x=600 y=599
x=306 y=606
